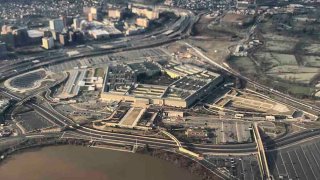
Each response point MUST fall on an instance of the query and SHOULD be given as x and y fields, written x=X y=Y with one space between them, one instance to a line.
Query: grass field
x=294 y=73
x=244 y=64
x=312 y=61
x=312 y=48
x=275 y=59
x=99 y=72
x=277 y=45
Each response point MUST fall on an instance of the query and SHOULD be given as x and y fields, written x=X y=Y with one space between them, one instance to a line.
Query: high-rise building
x=56 y=25
x=115 y=13
x=55 y=35
x=77 y=22
x=244 y=4
x=47 y=42
x=78 y=37
x=146 y=12
x=7 y=29
x=3 y=49
x=35 y=36
x=21 y=36
x=91 y=17
x=8 y=39
x=92 y=13
x=63 y=39
x=70 y=37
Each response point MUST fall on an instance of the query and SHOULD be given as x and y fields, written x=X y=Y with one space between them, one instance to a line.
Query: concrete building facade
x=47 y=42
x=146 y=12
x=3 y=49
x=115 y=13
x=56 y=25
x=143 y=22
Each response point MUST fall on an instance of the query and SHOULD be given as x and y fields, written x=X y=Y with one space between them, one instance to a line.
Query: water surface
x=82 y=163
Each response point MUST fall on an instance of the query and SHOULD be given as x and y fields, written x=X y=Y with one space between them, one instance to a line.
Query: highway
x=179 y=30
x=92 y=135
x=286 y=99
x=62 y=121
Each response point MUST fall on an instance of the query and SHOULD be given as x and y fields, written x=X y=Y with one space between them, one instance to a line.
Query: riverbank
x=83 y=163
x=179 y=160
x=182 y=161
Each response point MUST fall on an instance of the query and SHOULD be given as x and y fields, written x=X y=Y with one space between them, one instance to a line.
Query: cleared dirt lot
x=130 y=118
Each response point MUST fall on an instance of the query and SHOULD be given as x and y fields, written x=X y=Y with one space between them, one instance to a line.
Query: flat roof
x=35 y=33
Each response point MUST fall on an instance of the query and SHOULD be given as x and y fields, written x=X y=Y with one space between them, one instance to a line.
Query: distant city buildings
x=94 y=24
x=245 y=4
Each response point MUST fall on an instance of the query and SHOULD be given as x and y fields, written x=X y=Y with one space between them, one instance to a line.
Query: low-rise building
x=182 y=93
x=99 y=34
x=143 y=22
x=196 y=133
x=245 y=4
x=132 y=30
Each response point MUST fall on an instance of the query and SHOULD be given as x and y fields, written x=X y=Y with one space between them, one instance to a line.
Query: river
x=82 y=163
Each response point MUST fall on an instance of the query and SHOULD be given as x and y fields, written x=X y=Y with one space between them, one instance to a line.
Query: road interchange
x=161 y=37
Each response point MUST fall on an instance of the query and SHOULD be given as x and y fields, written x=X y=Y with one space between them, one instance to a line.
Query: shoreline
x=177 y=159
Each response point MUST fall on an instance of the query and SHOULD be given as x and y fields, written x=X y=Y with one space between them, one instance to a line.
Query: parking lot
x=85 y=62
x=244 y=167
x=31 y=121
x=226 y=131
x=155 y=54
x=297 y=162
x=232 y=132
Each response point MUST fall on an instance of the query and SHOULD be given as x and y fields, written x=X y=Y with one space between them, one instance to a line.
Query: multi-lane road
x=89 y=133
x=177 y=30
x=284 y=98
